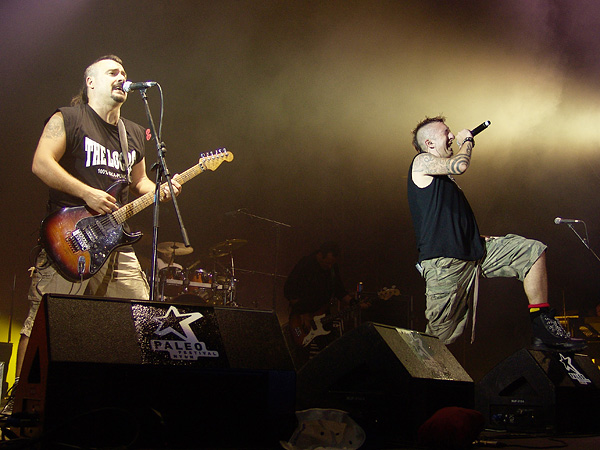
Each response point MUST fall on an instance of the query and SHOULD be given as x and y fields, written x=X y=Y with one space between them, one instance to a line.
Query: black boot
x=549 y=334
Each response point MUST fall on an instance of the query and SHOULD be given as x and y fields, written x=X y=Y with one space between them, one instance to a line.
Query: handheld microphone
x=560 y=220
x=478 y=129
x=138 y=86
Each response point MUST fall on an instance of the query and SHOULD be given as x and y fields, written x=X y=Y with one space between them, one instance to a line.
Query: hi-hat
x=226 y=247
x=174 y=248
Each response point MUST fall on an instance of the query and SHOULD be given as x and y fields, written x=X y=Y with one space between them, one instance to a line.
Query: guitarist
x=310 y=288
x=78 y=157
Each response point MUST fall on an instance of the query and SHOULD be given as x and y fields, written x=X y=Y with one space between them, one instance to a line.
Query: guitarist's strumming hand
x=100 y=201
x=305 y=319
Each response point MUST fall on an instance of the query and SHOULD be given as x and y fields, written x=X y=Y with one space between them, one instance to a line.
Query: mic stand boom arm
x=584 y=241
x=278 y=226
x=161 y=170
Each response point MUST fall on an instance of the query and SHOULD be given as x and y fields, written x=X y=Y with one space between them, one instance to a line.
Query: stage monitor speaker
x=541 y=391
x=109 y=372
x=389 y=379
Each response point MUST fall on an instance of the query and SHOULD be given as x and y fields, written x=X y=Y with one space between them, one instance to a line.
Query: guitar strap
x=124 y=148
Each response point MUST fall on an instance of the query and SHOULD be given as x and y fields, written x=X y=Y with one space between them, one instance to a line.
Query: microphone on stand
x=138 y=85
x=584 y=240
x=560 y=220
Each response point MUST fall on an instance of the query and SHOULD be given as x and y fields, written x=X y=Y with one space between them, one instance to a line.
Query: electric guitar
x=303 y=336
x=79 y=240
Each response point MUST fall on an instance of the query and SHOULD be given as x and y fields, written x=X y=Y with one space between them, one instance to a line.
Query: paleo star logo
x=572 y=371
x=187 y=346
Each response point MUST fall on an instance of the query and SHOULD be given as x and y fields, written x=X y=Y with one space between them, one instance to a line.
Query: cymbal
x=174 y=248
x=226 y=247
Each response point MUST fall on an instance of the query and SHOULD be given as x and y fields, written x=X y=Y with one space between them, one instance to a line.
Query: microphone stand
x=278 y=226
x=585 y=240
x=161 y=171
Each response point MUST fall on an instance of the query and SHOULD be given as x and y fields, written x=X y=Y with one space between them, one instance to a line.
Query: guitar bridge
x=78 y=242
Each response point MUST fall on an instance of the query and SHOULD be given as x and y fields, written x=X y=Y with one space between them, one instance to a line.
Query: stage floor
x=577 y=442
x=487 y=439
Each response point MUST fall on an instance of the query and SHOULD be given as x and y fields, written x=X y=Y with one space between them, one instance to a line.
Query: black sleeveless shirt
x=443 y=220
x=93 y=154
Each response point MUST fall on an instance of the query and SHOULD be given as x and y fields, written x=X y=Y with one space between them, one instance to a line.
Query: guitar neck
x=131 y=209
x=342 y=313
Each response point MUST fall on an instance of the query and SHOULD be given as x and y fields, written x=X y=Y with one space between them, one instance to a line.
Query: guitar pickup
x=90 y=234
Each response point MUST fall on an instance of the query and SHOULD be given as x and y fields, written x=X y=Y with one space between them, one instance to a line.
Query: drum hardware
x=171 y=282
x=219 y=250
x=278 y=227
x=216 y=287
x=209 y=288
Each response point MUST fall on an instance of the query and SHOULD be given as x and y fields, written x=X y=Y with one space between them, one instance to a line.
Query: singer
x=78 y=157
x=453 y=254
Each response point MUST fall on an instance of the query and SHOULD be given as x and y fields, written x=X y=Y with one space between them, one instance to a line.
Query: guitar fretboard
x=206 y=162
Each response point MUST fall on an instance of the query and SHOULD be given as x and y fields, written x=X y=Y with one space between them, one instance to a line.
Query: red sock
x=539 y=305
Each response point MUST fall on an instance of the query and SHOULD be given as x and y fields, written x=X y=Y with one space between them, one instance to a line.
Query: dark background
x=317 y=100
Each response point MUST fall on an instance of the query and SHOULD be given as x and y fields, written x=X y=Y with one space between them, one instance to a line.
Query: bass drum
x=171 y=282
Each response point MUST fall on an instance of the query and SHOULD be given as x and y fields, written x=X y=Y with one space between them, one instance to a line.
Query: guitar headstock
x=212 y=160
x=386 y=294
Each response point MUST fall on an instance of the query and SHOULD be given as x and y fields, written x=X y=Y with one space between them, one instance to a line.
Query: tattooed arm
x=426 y=164
x=51 y=148
x=429 y=164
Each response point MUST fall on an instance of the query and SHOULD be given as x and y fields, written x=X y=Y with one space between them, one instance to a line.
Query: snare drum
x=172 y=280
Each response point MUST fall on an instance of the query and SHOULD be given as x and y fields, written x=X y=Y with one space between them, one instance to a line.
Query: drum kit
x=199 y=285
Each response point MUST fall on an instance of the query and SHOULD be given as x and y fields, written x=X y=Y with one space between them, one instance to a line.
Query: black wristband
x=468 y=139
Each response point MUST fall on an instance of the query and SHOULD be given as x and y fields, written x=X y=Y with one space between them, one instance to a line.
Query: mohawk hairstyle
x=420 y=125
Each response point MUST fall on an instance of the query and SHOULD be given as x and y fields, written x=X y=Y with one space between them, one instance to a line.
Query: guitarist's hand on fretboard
x=364 y=304
x=165 y=192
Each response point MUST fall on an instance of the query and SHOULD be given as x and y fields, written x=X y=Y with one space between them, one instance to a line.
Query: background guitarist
x=79 y=156
x=310 y=288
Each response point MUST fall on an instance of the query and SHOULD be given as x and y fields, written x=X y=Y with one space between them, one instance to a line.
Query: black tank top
x=443 y=220
x=93 y=154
